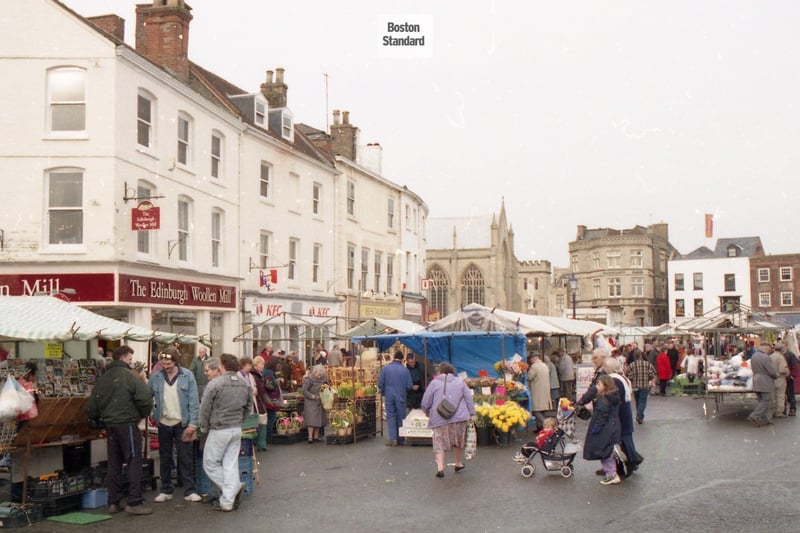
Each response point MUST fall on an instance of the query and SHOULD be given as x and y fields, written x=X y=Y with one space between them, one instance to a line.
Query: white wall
x=714 y=270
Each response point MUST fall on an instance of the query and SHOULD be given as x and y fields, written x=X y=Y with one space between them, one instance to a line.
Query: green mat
x=79 y=518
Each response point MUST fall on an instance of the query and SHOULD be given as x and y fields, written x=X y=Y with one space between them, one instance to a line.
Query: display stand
x=719 y=394
x=61 y=421
x=360 y=416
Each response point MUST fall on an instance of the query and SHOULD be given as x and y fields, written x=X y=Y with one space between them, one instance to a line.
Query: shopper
x=539 y=388
x=120 y=400
x=226 y=402
x=394 y=383
x=778 y=403
x=642 y=376
x=313 y=412
x=414 y=396
x=604 y=430
x=764 y=376
x=448 y=433
x=566 y=374
x=624 y=394
x=262 y=404
x=664 y=372
x=197 y=368
x=176 y=410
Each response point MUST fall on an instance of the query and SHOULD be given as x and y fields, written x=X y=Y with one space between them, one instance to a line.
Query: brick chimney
x=581 y=233
x=162 y=34
x=112 y=24
x=371 y=157
x=275 y=92
x=344 y=136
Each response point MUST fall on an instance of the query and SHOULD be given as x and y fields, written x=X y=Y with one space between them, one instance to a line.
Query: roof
x=380 y=326
x=473 y=232
x=600 y=233
x=46 y=318
x=749 y=246
x=701 y=253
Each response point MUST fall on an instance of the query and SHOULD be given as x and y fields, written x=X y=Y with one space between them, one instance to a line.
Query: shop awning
x=45 y=318
x=380 y=326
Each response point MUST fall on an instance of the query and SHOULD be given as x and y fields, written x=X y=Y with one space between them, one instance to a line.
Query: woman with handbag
x=448 y=404
x=313 y=411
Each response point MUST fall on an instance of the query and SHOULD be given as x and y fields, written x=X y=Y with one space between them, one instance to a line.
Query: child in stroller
x=549 y=445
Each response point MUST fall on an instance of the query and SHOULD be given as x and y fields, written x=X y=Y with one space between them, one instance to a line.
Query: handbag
x=446 y=409
x=472 y=442
x=262 y=419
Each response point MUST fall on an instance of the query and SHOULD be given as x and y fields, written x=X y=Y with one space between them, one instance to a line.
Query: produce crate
x=59 y=505
x=14 y=515
x=300 y=436
x=246 y=447
x=94 y=498
x=57 y=487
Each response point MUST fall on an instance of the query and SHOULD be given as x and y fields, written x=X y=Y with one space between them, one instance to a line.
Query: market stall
x=53 y=332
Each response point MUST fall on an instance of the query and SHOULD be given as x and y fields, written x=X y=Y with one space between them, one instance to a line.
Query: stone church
x=471 y=260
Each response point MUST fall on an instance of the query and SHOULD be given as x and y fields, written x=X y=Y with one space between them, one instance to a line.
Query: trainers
x=218 y=507
x=612 y=480
x=138 y=509
x=193 y=497
x=600 y=472
x=163 y=497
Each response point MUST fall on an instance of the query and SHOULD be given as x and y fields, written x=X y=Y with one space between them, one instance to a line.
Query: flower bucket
x=483 y=436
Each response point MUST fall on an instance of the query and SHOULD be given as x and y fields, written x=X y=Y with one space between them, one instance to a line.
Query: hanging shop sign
x=145 y=216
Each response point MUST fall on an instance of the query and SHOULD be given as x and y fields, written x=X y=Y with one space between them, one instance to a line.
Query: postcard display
x=57 y=378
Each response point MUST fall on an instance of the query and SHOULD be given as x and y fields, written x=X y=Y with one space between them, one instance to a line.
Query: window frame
x=145 y=189
x=316 y=260
x=389 y=273
x=679 y=282
x=615 y=287
x=217 y=227
x=390 y=213
x=217 y=168
x=613 y=259
x=637 y=258
x=147 y=124
x=787 y=299
x=699 y=310
x=637 y=281
x=184 y=213
x=377 y=260
x=351 y=198
x=316 y=198
x=785 y=270
x=597 y=288
x=54 y=210
x=294 y=258
x=351 y=265
x=184 y=140
x=729 y=282
x=264 y=248
x=595 y=260
x=265 y=182
x=765 y=299
x=763 y=279
x=53 y=104
x=697 y=281
x=680 y=308
x=364 y=267
x=260 y=118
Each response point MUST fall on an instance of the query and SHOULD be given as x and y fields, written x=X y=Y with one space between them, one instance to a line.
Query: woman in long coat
x=313 y=413
x=539 y=388
x=604 y=430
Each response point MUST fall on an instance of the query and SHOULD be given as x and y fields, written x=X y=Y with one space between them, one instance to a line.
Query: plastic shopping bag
x=14 y=400
x=470 y=449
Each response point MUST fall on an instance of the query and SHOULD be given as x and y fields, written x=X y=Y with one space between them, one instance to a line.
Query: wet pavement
x=701 y=473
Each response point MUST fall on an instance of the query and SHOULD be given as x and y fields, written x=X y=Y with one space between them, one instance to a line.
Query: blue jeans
x=641 y=401
x=221 y=462
x=167 y=437
x=395 y=413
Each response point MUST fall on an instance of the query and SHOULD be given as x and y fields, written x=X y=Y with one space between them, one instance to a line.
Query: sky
x=603 y=114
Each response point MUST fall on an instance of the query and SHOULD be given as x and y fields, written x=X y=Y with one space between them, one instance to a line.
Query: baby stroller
x=553 y=454
x=565 y=418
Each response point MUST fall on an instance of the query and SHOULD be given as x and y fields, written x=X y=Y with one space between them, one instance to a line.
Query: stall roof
x=741 y=319
x=380 y=326
x=46 y=318
x=467 y=351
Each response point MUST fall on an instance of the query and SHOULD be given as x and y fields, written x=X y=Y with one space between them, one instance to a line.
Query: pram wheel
x=566 y=471
x=528 y=471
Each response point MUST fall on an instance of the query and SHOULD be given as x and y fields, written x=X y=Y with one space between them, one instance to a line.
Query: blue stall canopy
x=467 y=351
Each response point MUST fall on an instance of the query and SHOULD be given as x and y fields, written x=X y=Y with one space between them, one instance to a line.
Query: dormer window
x=733 y=250
x=260 y=114
x=287 y=131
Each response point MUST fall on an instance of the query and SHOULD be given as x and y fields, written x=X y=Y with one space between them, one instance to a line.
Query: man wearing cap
x=176 y=410
x=394 y=383
x=779 y=394
x=764 y=376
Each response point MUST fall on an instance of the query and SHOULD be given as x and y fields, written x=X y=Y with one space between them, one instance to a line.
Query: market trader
x=394 y=383
x=120 y=400
x=764 y=376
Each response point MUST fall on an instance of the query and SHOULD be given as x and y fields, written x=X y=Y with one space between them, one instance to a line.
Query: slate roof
x=748 y=247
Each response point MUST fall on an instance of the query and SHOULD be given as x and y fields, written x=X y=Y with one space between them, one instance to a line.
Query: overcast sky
x=606 y=114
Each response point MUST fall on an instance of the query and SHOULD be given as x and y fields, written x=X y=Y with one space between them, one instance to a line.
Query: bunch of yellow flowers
x=504 y=417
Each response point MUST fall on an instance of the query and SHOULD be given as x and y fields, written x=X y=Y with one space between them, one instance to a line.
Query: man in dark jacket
x=120 y=399
x=674 y=357
x=414 y=396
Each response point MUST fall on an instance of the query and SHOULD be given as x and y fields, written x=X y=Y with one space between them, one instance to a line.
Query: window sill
x=82 y=136
x=56 y=249
x=146 y=151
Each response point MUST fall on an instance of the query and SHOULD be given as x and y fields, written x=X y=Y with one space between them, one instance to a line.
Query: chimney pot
x=336 y=117
x=346 y=117
x=269 y=77
x=279 y=75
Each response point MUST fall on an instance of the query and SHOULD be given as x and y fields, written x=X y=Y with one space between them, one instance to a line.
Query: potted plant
x=483 y=424
x=282 y=425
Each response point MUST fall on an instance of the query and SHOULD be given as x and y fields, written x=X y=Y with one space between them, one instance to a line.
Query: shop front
x=293 y=325
x=148 y=298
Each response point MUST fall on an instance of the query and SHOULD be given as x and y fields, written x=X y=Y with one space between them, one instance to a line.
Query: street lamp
x=573 y=285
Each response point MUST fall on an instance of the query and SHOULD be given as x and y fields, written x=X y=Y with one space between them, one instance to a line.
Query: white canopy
x=380 y=326
x=45 y=318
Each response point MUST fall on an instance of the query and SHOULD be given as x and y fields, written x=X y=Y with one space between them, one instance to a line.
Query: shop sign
x=145 y=216
x=379 y=311
x=583 y=378
x=263 y=307
x=141 y=289
x=412 y=308
x=53 y=350
x=77 y=287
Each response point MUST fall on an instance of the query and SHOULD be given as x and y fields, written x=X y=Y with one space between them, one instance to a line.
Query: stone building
x=471 y=259
x=622 y=274
x=774 y=286
x=535 y=283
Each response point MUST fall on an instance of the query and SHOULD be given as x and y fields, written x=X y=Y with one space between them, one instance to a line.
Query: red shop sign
x=141 y=289
x=76 y=287
x=145 y=216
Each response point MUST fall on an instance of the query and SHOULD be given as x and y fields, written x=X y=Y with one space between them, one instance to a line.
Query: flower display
x=504 y=417
x=515 y=368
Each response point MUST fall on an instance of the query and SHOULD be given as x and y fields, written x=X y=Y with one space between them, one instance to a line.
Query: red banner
x=709 y=226
x=76 y=287
x=141 y=289
x=145 y=216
